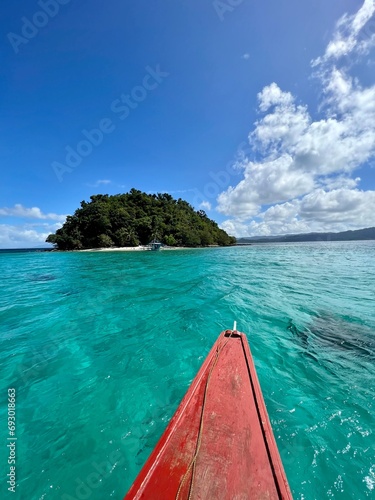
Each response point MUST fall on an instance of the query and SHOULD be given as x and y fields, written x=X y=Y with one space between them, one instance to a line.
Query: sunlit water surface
x=101 y=347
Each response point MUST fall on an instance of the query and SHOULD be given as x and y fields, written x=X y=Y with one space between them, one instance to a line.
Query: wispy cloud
x=169 y=191
x=246 y=56
x=100 y=182
x=351 y=35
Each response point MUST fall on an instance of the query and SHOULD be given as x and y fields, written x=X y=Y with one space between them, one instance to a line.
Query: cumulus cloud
x=34 y=213
x=337 y=210
x=22 y=236
x=28 y=234
x=302 y=176
x=205 y=205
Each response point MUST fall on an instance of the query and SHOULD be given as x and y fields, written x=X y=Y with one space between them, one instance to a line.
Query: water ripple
x=102 y=347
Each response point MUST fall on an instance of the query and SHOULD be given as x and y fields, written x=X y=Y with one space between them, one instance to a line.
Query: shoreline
x=139 y=249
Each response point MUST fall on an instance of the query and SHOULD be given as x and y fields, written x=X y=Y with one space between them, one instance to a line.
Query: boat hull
x=219 y=444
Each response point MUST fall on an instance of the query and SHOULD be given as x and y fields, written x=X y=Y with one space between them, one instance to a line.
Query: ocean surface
x=101 y=347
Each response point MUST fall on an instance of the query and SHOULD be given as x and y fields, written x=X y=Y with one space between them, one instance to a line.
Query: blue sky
x=262 y=113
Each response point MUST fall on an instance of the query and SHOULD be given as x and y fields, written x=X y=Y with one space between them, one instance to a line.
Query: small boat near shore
x=155 y=245
x=219 y=444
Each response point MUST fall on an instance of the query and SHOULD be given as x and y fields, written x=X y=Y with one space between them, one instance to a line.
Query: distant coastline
x=356 y=235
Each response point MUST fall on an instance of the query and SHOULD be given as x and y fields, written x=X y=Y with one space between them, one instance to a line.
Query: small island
x=137 y=218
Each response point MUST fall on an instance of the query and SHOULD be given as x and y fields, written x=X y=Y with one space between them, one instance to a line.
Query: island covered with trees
x=137 y=218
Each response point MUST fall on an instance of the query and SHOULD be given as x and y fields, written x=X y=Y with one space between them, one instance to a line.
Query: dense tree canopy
x=137 y=218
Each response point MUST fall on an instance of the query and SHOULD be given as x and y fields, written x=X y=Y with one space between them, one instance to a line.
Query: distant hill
x=359 y=234
x=137 y=218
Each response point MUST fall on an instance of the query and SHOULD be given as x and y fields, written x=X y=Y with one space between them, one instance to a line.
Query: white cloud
x=205 y=205
x=353 y=34
x=272 y=95
x=235 y=227
x=21 y=236
x=343 y=206
x=264 y=183
x=340 y=181
x=246 y=56
x=319 y=211
x=299 y=153
x=34 y=213
x=303 y=167
x=100 y=182
x=28 y=234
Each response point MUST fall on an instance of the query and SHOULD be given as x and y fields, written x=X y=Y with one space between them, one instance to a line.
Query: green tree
x=105 y=241
x=121 y=237
x=170 y=240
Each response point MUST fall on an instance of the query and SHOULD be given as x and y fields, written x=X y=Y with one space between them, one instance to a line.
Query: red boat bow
x=219 y=444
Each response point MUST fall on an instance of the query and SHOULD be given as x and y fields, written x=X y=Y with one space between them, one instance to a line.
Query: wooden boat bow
x=219 y=444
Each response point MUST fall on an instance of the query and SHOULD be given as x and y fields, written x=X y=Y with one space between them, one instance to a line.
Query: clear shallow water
x=101 y=348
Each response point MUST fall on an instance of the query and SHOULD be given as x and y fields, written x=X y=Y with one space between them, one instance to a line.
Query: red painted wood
x=238 y=458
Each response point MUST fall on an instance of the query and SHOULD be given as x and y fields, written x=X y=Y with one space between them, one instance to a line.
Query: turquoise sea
x=101 y=347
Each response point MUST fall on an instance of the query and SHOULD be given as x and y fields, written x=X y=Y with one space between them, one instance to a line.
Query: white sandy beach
x=131 y=249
